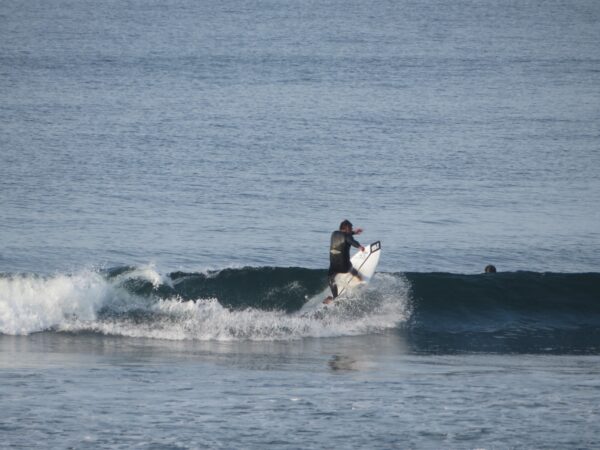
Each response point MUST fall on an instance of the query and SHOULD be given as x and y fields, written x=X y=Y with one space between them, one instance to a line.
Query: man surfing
x=339 y=255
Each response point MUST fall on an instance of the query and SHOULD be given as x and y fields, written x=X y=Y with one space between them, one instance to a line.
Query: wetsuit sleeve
x=353 y=242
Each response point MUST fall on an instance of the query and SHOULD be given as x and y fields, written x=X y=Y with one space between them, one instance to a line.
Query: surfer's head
x=346 y=226
x=490 y=269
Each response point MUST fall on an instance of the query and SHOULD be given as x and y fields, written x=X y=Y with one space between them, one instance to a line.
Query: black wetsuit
x=339 y=257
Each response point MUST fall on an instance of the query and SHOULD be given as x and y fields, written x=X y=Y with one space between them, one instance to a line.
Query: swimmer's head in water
x=490 y=269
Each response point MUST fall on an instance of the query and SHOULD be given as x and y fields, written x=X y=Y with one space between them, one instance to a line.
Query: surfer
x=339 y=255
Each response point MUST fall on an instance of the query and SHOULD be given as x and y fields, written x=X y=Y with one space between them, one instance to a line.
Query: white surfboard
x=365 y=264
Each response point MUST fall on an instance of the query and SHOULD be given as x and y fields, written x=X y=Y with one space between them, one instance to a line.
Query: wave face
x=508 y=312
x=432 y=312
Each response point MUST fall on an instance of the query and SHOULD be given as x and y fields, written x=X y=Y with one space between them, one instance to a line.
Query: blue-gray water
x=169 y=176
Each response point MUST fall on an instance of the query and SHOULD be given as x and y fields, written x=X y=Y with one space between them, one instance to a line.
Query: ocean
x=170 y=175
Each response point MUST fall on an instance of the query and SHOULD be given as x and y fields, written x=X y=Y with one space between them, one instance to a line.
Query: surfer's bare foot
x=328 y=300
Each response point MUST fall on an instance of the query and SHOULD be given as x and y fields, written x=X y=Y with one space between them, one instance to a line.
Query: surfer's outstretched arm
x=354 y=243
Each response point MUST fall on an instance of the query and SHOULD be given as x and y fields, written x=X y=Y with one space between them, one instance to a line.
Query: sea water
x=170 y=173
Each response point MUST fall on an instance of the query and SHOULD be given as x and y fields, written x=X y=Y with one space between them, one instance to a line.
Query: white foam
x=30 y=303
x=71 y=303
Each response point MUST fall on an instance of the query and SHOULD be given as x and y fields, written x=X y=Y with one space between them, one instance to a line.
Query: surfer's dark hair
x=345 y=223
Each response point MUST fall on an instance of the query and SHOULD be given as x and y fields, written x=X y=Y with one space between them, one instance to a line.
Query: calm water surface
x=205 y=134
x=89 y=391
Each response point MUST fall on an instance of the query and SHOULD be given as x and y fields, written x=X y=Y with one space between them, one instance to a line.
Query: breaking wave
x=504 y=312
x=248 y=303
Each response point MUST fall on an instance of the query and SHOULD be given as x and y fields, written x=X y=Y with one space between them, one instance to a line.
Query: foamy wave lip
x=30 y=303
x=149 y=273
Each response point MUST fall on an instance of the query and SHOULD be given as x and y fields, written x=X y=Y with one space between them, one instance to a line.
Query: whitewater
x=133 y=303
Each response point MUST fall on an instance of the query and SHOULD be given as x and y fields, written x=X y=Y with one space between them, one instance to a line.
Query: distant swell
x=504 y=312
